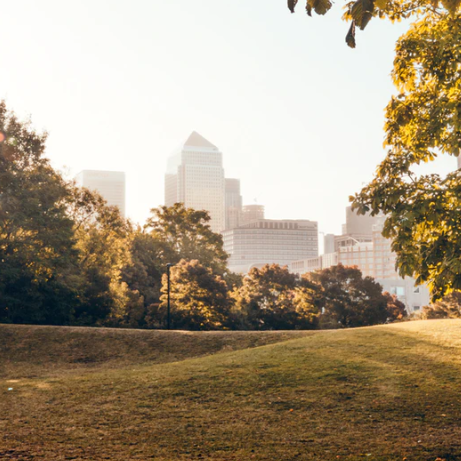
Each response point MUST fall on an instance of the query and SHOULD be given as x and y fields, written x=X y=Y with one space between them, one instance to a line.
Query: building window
x=399 y=291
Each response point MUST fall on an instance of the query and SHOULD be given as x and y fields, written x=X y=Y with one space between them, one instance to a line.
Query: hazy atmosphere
x=297 y=114
x=206 y=252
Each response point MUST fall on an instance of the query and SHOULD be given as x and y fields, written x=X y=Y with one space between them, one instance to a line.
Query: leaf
x=451 y=5
x=319 y=6
x=381 y=4
x=322 y=6
x=292 y=4
x=350 y=37
x=362 y=12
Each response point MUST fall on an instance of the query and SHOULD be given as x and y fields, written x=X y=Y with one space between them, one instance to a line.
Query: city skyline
x=120 y=88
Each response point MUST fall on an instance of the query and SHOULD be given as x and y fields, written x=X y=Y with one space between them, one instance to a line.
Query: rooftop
x=197 y=140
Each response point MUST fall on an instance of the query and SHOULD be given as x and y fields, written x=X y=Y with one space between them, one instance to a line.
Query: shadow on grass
x=378 y=394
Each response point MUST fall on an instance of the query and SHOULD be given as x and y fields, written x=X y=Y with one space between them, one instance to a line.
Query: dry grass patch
x=39 y=351
x=381 y=393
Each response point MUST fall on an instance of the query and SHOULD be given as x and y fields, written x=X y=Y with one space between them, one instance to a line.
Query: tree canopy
x=423 y=121
x=199 y=298
x=37 y=244
x=272 y=298
x=348 y=299
x=186 y=234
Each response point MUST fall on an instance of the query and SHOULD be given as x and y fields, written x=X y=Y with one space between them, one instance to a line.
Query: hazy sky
x=120 y=84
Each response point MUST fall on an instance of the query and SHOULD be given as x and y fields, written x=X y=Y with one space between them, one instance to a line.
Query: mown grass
x=381 y=393
x=37 y=351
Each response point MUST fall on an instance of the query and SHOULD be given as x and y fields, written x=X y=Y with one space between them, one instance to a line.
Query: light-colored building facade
x=252 y=213
x=384 y=257
x=195 y=177
x=109 y=184
x=233 y=203
x=359 y=225
x=306 y=265
x=361 y=255
x=414 y=297
x=268 y=241
x=328 y=243
x=346 y=240
x=374 y=257
x=314 y=264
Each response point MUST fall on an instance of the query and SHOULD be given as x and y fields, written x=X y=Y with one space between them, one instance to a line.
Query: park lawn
x=381 y=393
x=44 y=351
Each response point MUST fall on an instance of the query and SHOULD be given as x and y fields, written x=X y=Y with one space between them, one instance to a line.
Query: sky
x=120 y=85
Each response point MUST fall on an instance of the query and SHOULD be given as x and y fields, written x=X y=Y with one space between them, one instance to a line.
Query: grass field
x=383 y=393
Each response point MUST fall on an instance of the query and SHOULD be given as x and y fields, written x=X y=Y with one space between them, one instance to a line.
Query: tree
x=199 y=298
x=395 y=308
x=103 y=239
x=449 y=307
x=171 y=234
x=143 y=273
x=423 y=121
x=272 y=298
x=186 y=234
x=37 y=246
x=348 y=299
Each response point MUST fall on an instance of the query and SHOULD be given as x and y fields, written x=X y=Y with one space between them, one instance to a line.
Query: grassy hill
x=43 y=351
x=382 y=393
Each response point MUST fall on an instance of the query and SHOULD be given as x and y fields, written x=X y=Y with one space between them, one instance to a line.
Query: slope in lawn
x=37 y=351
x=381 y=393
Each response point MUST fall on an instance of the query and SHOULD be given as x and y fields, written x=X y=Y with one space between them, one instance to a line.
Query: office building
x=268 y=241
x=414 y=297
x=373 y=255
x=109 y=184
x=195 y=177
x=357 y=225
x=313 y=264
x=360 y=254
x=252 y=213
x=329 y=243
x=233 y=203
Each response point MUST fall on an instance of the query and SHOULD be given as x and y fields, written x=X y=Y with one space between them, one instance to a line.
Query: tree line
x=68 y=258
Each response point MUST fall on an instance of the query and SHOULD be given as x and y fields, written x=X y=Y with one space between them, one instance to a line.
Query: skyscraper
x=233 y=203
x=109 y=184
x=195 y=177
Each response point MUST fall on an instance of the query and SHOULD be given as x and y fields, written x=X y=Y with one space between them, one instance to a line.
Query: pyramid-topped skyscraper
x=195 y=177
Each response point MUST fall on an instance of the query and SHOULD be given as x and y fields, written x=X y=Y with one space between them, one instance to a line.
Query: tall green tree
x=423 y=121
x=199 y=298
x=38 y=256
x=348 y=298
x=186 y=234
x=103 y=240
x=272 y=298
x=146 y=266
